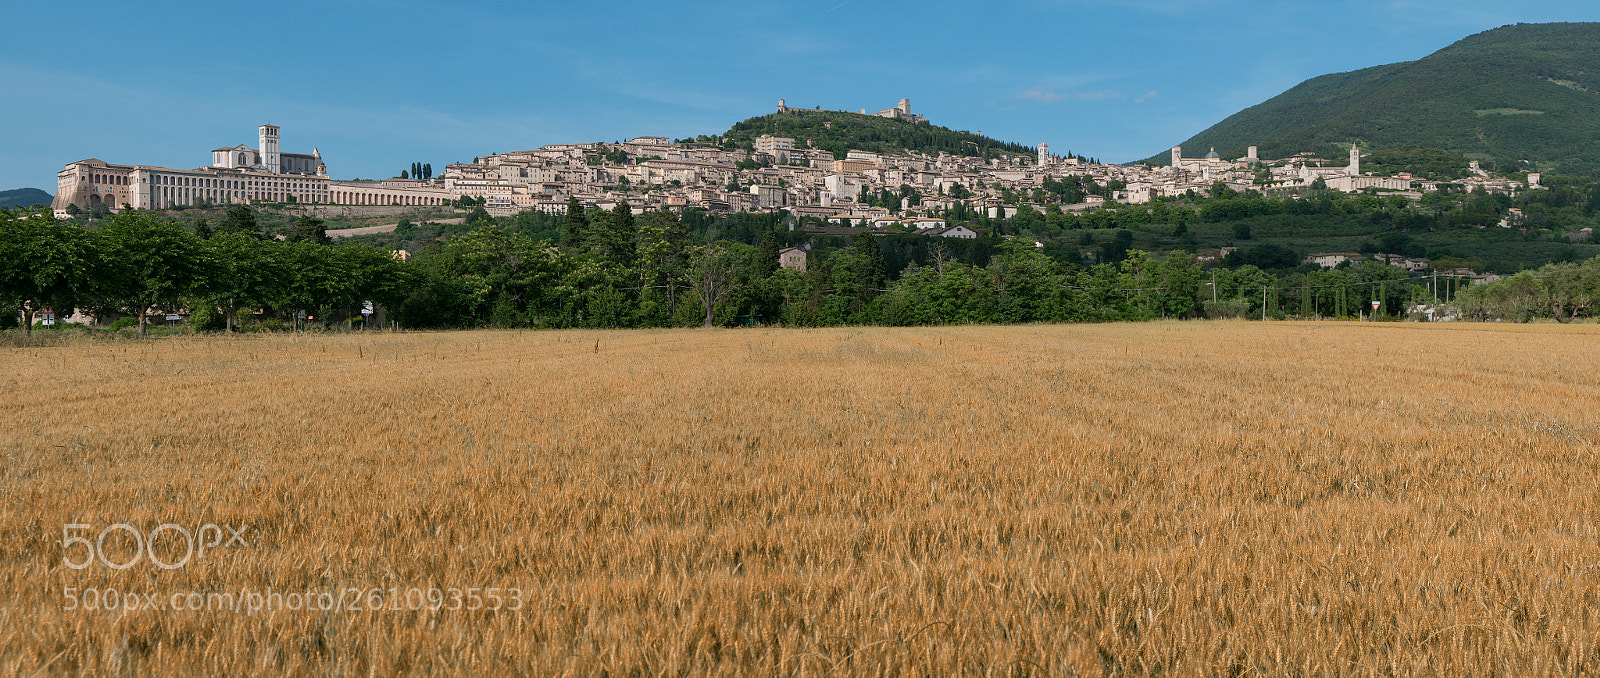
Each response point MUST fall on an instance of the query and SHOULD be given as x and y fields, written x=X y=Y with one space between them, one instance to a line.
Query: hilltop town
x=776 y=173
x=772 y=173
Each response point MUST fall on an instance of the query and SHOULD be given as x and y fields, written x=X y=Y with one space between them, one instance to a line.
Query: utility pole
x=1213 y=286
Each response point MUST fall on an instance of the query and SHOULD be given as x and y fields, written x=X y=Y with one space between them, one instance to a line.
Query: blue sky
x=377 y=84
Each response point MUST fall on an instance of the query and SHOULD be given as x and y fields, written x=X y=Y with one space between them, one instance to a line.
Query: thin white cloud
x=1047 y=95
x=1077 y=88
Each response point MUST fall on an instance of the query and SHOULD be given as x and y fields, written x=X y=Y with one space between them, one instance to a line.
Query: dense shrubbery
x=1563 y=291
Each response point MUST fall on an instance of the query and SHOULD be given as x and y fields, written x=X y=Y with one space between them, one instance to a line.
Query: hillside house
x=792 y=258
x=1332 y=259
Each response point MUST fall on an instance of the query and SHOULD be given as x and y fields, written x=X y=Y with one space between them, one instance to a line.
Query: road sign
x=1375 y=305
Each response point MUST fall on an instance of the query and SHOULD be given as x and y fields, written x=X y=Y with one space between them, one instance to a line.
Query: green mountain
x=841 y=132
x=24 y=197
x=1528 y=92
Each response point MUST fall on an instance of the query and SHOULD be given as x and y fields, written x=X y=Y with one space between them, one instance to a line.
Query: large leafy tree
x=309 y=229
x=377 y=276
x=1166 y=288
x=319 y=279
x=245 y=272
x=1024 y=281
x=502 y=279
x=43 y=262
x=240 y=219
x=714 y=273
x=149 y=264
x=1569 y=289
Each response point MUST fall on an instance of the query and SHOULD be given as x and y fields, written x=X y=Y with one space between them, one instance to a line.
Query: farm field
x=1184 y=498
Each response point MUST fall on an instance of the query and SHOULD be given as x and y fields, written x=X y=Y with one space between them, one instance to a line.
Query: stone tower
x=1355 y=162
x=1177 y=157
x=1044 y=154
x=1251 y=157
x=269 y=148
x=905 y=106
x=782 y=108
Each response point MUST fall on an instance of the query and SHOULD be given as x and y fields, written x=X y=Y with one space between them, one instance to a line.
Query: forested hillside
x=24 y=197
x=841 y=132
x=1528 y=92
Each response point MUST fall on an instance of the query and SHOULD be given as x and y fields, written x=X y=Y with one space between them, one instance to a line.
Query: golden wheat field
x=1136 y=499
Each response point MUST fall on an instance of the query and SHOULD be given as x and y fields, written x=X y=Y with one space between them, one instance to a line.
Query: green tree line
x=136 y=264
x=615 y=269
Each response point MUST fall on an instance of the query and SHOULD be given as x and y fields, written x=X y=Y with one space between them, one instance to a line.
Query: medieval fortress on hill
x=901 y=111
x=653 y=172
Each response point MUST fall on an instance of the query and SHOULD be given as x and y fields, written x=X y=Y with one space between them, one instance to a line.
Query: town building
x=779 y=149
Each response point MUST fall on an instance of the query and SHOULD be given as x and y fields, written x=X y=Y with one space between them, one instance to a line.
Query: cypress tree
x=871 y=277
x=620 y=239
x=574 y=225
x=767 y=264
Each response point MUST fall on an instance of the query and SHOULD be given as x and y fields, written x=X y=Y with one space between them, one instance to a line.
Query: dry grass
x=1165 y=498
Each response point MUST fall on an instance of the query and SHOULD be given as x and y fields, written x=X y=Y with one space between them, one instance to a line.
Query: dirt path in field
x=385 y=228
